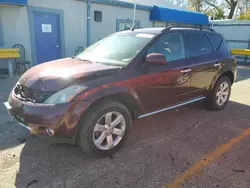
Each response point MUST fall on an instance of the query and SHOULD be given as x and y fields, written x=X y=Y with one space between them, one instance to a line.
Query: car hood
x=58 y=74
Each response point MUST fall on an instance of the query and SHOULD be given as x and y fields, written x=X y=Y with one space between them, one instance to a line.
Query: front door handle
x=217 y=64
x=185 y=70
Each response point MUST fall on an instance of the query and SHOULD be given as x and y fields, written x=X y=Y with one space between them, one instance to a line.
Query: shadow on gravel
x=12 y=135
x=243 y=73
x=52 y=165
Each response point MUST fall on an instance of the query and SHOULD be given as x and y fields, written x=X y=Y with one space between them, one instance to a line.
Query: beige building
x=55 y=29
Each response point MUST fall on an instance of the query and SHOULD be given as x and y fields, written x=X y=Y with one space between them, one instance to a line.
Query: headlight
x=65 y=94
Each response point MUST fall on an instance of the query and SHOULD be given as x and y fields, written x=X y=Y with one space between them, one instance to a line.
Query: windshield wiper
x=74 y=57
x=77 y=58
x=112 y=64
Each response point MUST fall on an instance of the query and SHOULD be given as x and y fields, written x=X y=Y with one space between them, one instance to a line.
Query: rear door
x=203 y=59
x=168 y=84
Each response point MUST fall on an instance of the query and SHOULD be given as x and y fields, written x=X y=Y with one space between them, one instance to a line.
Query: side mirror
x=155 y=59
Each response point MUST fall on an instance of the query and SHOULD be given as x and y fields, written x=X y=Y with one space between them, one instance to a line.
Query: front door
x=168 y=84
x=47 y=37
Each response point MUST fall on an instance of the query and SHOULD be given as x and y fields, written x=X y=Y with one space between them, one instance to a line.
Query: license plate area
x=20 y=122
x=16 y=118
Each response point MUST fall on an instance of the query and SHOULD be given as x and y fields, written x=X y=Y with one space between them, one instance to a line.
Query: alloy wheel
x=109 y=130
x=222 y=93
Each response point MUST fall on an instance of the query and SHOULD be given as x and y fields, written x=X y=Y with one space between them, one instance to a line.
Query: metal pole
x=88 y=23
x=134 y=14
x=213 y=21
x=246 y=57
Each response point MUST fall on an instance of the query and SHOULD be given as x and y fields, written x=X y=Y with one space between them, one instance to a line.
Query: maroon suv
x=91 y=99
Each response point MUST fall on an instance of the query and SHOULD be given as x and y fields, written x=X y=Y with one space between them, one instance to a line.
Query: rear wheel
x=220 y=94
x=104 y=129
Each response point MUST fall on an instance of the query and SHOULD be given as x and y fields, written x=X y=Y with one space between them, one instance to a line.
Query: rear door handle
x=185 y=70
x=217 y=64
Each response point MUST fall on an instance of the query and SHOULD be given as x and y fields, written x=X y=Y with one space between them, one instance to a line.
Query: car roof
x=158 y=30
x=154 y=30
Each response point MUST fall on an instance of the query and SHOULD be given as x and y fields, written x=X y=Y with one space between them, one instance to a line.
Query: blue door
x=47 y=37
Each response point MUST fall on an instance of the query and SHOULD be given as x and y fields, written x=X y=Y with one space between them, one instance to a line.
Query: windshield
x=118 y=49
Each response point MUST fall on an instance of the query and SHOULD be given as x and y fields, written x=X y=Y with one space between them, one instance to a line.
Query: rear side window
x=225 y=47
x=198 y=44
x=216 y=40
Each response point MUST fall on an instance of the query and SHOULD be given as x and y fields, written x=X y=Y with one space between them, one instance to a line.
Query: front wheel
x=104 y=129
x=219 y=96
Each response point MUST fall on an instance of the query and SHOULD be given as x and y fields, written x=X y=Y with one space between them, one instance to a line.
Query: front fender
x=98 y=93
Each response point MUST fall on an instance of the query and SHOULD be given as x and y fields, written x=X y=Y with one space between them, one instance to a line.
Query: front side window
x=118 y=49
x=170 y=45
x=198 y=44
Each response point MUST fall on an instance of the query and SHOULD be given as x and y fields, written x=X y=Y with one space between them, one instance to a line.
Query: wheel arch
x=228 y=74
x=125 y=98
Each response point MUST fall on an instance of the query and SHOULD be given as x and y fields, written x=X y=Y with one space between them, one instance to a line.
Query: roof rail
x=189 y=27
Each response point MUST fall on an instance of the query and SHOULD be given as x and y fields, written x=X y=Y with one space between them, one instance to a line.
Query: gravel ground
x=159 y=149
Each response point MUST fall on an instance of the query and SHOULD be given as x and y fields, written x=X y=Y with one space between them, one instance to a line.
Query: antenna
x=134 y=17
x=132 y=28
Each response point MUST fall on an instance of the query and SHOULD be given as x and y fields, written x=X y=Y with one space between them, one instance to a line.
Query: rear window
x=198 y=44
x=216 y=40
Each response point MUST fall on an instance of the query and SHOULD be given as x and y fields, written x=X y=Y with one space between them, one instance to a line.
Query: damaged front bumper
x=8 y=107
x=39 y=118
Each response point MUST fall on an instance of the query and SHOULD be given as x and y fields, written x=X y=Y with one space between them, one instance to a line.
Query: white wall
x=102 y=29
x=160 y=24
x=75 y=22
x=16 y=26
x=15 y=29
x=233 y=32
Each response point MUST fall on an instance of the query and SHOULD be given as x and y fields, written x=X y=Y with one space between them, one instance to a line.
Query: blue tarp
x=176 y=15
x=14 y=2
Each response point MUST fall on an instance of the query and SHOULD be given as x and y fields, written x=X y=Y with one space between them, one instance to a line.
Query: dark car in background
x=92 y=99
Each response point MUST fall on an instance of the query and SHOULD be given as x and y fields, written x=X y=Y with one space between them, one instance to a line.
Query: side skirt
x=172 y=107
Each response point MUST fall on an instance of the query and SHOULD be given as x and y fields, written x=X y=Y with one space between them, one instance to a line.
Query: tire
x=212 y=100
x=103 y=113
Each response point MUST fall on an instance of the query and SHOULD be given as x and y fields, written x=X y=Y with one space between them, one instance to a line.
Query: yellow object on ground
x=236 y=51
x=9 y=54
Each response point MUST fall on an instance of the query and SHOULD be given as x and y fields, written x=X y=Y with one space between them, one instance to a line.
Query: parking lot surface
x=185 y=147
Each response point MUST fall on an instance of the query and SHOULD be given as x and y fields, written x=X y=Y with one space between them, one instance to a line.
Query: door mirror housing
x=156 y=59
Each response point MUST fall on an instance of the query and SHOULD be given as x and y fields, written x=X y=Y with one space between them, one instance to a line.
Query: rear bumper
x=62 y=118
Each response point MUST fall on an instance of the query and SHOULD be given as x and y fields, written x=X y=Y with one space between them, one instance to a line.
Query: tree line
x=218 y=9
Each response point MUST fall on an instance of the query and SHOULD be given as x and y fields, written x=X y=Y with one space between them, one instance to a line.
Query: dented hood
x=56 y=75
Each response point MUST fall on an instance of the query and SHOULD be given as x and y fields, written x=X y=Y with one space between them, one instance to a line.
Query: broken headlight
x=65 y=95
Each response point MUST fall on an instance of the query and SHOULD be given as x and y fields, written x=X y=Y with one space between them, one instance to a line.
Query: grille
x=28 y=94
